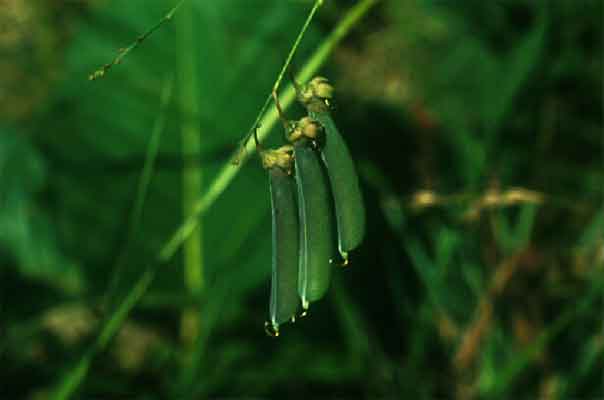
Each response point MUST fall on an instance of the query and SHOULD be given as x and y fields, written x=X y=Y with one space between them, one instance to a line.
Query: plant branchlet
x=287 y=125
x=123 y=52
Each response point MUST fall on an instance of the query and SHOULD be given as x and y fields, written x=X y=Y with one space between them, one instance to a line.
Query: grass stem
x=122 y=53
x=190 y=133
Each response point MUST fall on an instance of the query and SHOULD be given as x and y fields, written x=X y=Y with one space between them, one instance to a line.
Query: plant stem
x=191 y=175
x=75 y=376
x=141 y=192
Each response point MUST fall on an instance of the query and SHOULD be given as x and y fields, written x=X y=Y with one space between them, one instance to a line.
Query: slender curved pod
x=316 y=224
x=284 y=299
x=349 y=207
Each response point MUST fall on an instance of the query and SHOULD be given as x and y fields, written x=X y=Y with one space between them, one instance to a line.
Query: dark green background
x=463 y=103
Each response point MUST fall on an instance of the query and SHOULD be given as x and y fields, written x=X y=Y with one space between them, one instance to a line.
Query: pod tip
x=345 y=261
x=305 y=305
x=342 y=262
x=271 y=329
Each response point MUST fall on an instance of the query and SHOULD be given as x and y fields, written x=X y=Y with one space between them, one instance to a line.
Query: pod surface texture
x=316 y=224
x=346 y=192
x=284 y=298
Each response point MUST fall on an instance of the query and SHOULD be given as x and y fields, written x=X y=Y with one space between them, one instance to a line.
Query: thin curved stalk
x=141 y=193
x=122 y=53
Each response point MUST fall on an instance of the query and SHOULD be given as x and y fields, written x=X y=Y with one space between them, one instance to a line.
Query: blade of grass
x=142 y=190
x=524 y=359
x=75 y=376
x=592 y=357
x=122 y=53
x=357 y=338
x=190 y=133
x=513 y=238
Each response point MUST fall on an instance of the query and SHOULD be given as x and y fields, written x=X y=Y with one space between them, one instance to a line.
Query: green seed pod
x=345 y=189
x=284 y=299
x=316 y=224
x=316 y=96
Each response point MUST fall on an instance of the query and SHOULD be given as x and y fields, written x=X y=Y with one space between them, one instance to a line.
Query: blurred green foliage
x=477 y=130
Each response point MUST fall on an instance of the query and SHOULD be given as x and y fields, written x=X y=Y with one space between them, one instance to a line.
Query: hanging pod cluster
x=317 y=208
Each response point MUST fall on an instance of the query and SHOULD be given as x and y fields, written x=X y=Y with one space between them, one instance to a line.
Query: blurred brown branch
x=491 y=198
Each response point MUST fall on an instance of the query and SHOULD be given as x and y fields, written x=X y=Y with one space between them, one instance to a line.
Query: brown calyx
x=305 y=128
x=316 y=95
